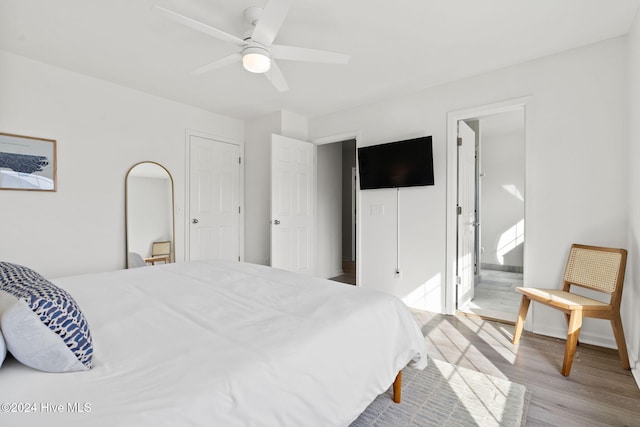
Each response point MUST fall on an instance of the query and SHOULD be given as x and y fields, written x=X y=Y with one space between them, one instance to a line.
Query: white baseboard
x=635 y=367
x=599 y=340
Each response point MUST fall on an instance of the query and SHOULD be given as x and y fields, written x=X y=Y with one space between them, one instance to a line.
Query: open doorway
x=337 y=189
x=491 y=208
x=349 y=191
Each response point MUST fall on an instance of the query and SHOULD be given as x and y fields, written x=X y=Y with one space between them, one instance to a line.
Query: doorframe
x=354 y=211
x=525 y=103
x=331 y=139
x=187 y=189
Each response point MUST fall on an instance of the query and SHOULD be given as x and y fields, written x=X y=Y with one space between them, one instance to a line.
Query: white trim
x=635 y=371
x=453 y=117
x=337 y=138
x=330 y=139
x=187 y=194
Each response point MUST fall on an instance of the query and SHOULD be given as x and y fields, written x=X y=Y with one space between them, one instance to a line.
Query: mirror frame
x=126 y=211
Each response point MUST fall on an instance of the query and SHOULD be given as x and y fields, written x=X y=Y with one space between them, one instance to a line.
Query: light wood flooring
x=495 y=296
x=597 y=393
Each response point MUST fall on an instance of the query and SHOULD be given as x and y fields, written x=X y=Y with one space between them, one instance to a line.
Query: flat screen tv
x=405 y=163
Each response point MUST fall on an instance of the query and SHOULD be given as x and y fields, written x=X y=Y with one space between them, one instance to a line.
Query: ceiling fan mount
x=257 y=51
x=252 y=14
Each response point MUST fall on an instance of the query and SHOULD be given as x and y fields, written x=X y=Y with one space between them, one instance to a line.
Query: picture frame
x=27 y=163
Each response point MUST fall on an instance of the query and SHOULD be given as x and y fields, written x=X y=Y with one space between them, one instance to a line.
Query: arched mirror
x=149 y=215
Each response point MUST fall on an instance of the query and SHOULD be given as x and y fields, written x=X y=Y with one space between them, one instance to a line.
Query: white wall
x=329 y=210
x=258 y=178
x=257 y=152
x=294 y=125
x=631 y=294
x=502 y=200
x=578 y=175
x=101 y=129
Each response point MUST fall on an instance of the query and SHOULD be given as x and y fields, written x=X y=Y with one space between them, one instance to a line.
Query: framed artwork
x=27 y=163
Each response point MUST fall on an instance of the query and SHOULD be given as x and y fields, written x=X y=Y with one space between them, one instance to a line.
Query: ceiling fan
x=257 y=51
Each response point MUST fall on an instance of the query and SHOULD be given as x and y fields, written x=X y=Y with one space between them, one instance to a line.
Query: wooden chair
x=592 y=267
x=160 y=252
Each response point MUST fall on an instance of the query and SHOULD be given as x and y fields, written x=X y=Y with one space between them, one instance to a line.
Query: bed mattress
x=218 y=343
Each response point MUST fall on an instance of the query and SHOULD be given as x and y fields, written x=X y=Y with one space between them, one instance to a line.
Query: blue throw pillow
x=42 y=325
x=3 y=349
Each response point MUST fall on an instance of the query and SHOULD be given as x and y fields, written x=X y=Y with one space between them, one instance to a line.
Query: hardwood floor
x=349 y=273
x=597 y=393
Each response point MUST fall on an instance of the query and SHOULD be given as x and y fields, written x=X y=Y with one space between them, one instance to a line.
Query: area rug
x=446 y=395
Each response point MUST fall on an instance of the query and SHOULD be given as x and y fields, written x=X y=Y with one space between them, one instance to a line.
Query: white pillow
x=3 y=349
x=43 y=326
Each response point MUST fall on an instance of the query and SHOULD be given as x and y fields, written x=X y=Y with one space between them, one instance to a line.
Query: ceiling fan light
x=256 y=60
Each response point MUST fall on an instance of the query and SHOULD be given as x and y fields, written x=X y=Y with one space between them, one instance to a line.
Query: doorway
x=337 y=199
x=488 y=260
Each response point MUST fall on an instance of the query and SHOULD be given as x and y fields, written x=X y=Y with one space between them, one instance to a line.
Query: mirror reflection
x=149 y=215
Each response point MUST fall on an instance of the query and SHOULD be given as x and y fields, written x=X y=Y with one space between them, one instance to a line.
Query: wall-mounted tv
x=405 y=163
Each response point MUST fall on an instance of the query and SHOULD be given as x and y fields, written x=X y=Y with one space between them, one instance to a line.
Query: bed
x=218 y=343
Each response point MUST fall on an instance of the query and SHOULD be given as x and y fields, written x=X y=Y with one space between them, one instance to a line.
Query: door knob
x=194 y=220
x=276 y=221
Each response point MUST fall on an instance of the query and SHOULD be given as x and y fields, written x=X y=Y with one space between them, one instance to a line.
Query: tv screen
x=406 y=163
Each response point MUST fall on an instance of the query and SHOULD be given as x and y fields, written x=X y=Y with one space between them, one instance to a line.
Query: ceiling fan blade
x=270 y=21
x=293 y=53
x=204 y=28
x=276 y=78
x=223 y=62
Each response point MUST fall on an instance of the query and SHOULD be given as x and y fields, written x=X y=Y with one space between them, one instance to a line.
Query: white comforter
x=220 y=344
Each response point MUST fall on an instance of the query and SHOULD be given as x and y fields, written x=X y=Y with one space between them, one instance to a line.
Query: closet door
x=214 y=199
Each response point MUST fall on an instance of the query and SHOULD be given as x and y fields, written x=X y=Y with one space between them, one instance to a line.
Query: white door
x=293 y=195
x=214 y=199
x=466 y=213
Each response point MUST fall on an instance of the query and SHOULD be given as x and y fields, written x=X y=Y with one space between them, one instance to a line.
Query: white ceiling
x=395 y=46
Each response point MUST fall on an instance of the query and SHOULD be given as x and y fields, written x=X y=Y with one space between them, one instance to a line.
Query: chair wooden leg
x=567 y=316
x=397 y=388
x=522 y=314
x=575 y=323
x=618 y=332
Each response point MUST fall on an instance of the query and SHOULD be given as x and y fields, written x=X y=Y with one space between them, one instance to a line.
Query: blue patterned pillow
x=3 y=349
x=42 y=325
